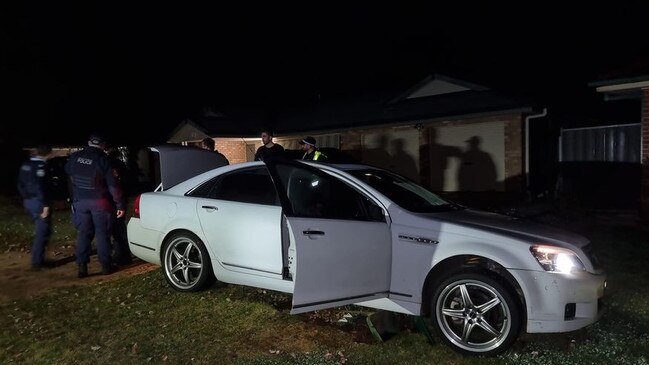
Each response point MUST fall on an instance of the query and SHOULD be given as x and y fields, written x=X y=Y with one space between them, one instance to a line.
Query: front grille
x=588 y=250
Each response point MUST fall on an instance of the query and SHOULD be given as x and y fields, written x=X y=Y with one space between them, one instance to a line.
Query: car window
x=203 y=190
x=318 y=195
x=247 y=186
x=405 y=193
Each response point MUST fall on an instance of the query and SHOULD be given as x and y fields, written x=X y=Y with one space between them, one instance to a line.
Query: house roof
x=235 y=122
x=625 y=82
x=635 y=71
x=332 y=115
x=436 y=84
x=436 y=97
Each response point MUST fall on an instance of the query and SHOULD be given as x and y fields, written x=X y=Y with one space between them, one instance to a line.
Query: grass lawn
x=17 y=228
x=140 y=319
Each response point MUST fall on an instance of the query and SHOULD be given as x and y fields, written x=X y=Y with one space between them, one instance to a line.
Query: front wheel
x=475 y=314
x=186 y=263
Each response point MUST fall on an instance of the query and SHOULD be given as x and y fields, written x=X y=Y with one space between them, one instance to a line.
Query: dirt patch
x=18 y=281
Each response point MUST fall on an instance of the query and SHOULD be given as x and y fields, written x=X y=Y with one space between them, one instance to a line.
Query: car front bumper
x=559 y=302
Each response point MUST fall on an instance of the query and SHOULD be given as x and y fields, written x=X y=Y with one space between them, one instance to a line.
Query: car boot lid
x=179 y=163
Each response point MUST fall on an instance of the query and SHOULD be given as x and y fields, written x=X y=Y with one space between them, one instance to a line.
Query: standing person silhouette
x=311 y=152
x=478 y=171
x=35 y=187
x=97 y=197
x=121 y=251
x=268 y=148
x=208 y=144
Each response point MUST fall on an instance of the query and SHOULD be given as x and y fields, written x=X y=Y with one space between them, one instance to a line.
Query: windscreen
x=405 y=193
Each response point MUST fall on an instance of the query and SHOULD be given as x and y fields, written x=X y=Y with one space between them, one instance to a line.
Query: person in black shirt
x=121 y=251
x=208 y=144
x=268 y=148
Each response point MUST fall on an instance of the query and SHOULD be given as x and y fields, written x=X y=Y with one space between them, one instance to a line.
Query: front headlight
x=556 y=259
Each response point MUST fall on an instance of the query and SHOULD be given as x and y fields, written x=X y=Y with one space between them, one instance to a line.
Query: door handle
x=209 y=207
x=313 y=233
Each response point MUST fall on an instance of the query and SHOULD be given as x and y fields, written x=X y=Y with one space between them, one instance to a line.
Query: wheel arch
x=165 y=240
x=470 y=263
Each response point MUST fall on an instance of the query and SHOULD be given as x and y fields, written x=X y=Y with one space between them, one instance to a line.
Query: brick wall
x=645 y=153
x=234 y=151
x=352 y=142
x=514 y=154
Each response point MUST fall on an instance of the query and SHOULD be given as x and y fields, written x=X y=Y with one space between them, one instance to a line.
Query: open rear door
x=343 y=256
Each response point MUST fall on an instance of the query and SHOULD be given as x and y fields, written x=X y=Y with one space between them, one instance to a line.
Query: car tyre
x=475 y=314
x=186 y=263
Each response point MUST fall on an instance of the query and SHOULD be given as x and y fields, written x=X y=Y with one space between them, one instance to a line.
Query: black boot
x=122 y=260
x=83 y=271
x=108 y=269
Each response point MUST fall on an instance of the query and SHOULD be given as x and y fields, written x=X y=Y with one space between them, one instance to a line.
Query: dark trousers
x=122 y=251
x=93 y=217
x=43 y=229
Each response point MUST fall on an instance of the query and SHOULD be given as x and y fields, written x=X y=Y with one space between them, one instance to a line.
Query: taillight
x=136 y=207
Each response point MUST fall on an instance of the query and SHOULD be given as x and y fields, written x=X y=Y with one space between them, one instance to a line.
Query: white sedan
x=353 y=234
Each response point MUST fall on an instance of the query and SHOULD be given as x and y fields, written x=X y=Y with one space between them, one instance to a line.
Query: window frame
x=287 y=204
x=216 y=181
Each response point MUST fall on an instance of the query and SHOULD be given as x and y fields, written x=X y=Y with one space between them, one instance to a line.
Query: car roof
x=175 y=169
x=354 y=166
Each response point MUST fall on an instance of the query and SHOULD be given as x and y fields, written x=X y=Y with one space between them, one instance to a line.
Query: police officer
x=311 y=152
x=94 y=194
x=35 y=187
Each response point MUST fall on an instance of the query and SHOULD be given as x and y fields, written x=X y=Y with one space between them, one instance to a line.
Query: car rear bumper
x=141 y=241
x=558 y=302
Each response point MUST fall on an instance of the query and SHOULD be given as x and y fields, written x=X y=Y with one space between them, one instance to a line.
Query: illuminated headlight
x=556 y=259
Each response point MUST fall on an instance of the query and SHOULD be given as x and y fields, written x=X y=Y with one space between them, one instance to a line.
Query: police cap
x=96 y=139
x=308 y=140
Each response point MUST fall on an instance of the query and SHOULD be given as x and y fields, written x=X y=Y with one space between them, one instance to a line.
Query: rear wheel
x=475 y=314
x=186 y=263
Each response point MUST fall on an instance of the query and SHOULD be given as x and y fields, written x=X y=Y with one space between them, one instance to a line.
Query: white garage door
x=396 y=151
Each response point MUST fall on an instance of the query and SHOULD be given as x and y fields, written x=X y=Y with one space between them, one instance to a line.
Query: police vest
x=32 y=180
x=92 y=176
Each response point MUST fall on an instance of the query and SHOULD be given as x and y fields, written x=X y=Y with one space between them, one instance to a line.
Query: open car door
x=341 y=239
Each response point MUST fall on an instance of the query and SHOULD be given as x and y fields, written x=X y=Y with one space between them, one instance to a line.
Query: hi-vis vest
x=314 y=156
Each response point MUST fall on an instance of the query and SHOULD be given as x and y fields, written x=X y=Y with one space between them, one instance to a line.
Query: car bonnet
x=511 y=226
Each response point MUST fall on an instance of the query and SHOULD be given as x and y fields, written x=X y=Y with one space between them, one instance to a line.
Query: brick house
x=446 y=133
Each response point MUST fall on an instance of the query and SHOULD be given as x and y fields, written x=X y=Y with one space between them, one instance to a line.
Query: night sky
x=114 y=66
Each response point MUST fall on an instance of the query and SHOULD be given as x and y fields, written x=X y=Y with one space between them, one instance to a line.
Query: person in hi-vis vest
x=311 y=152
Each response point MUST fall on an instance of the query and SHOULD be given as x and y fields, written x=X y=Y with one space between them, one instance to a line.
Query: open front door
x=342 y=250
x=339 y=262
